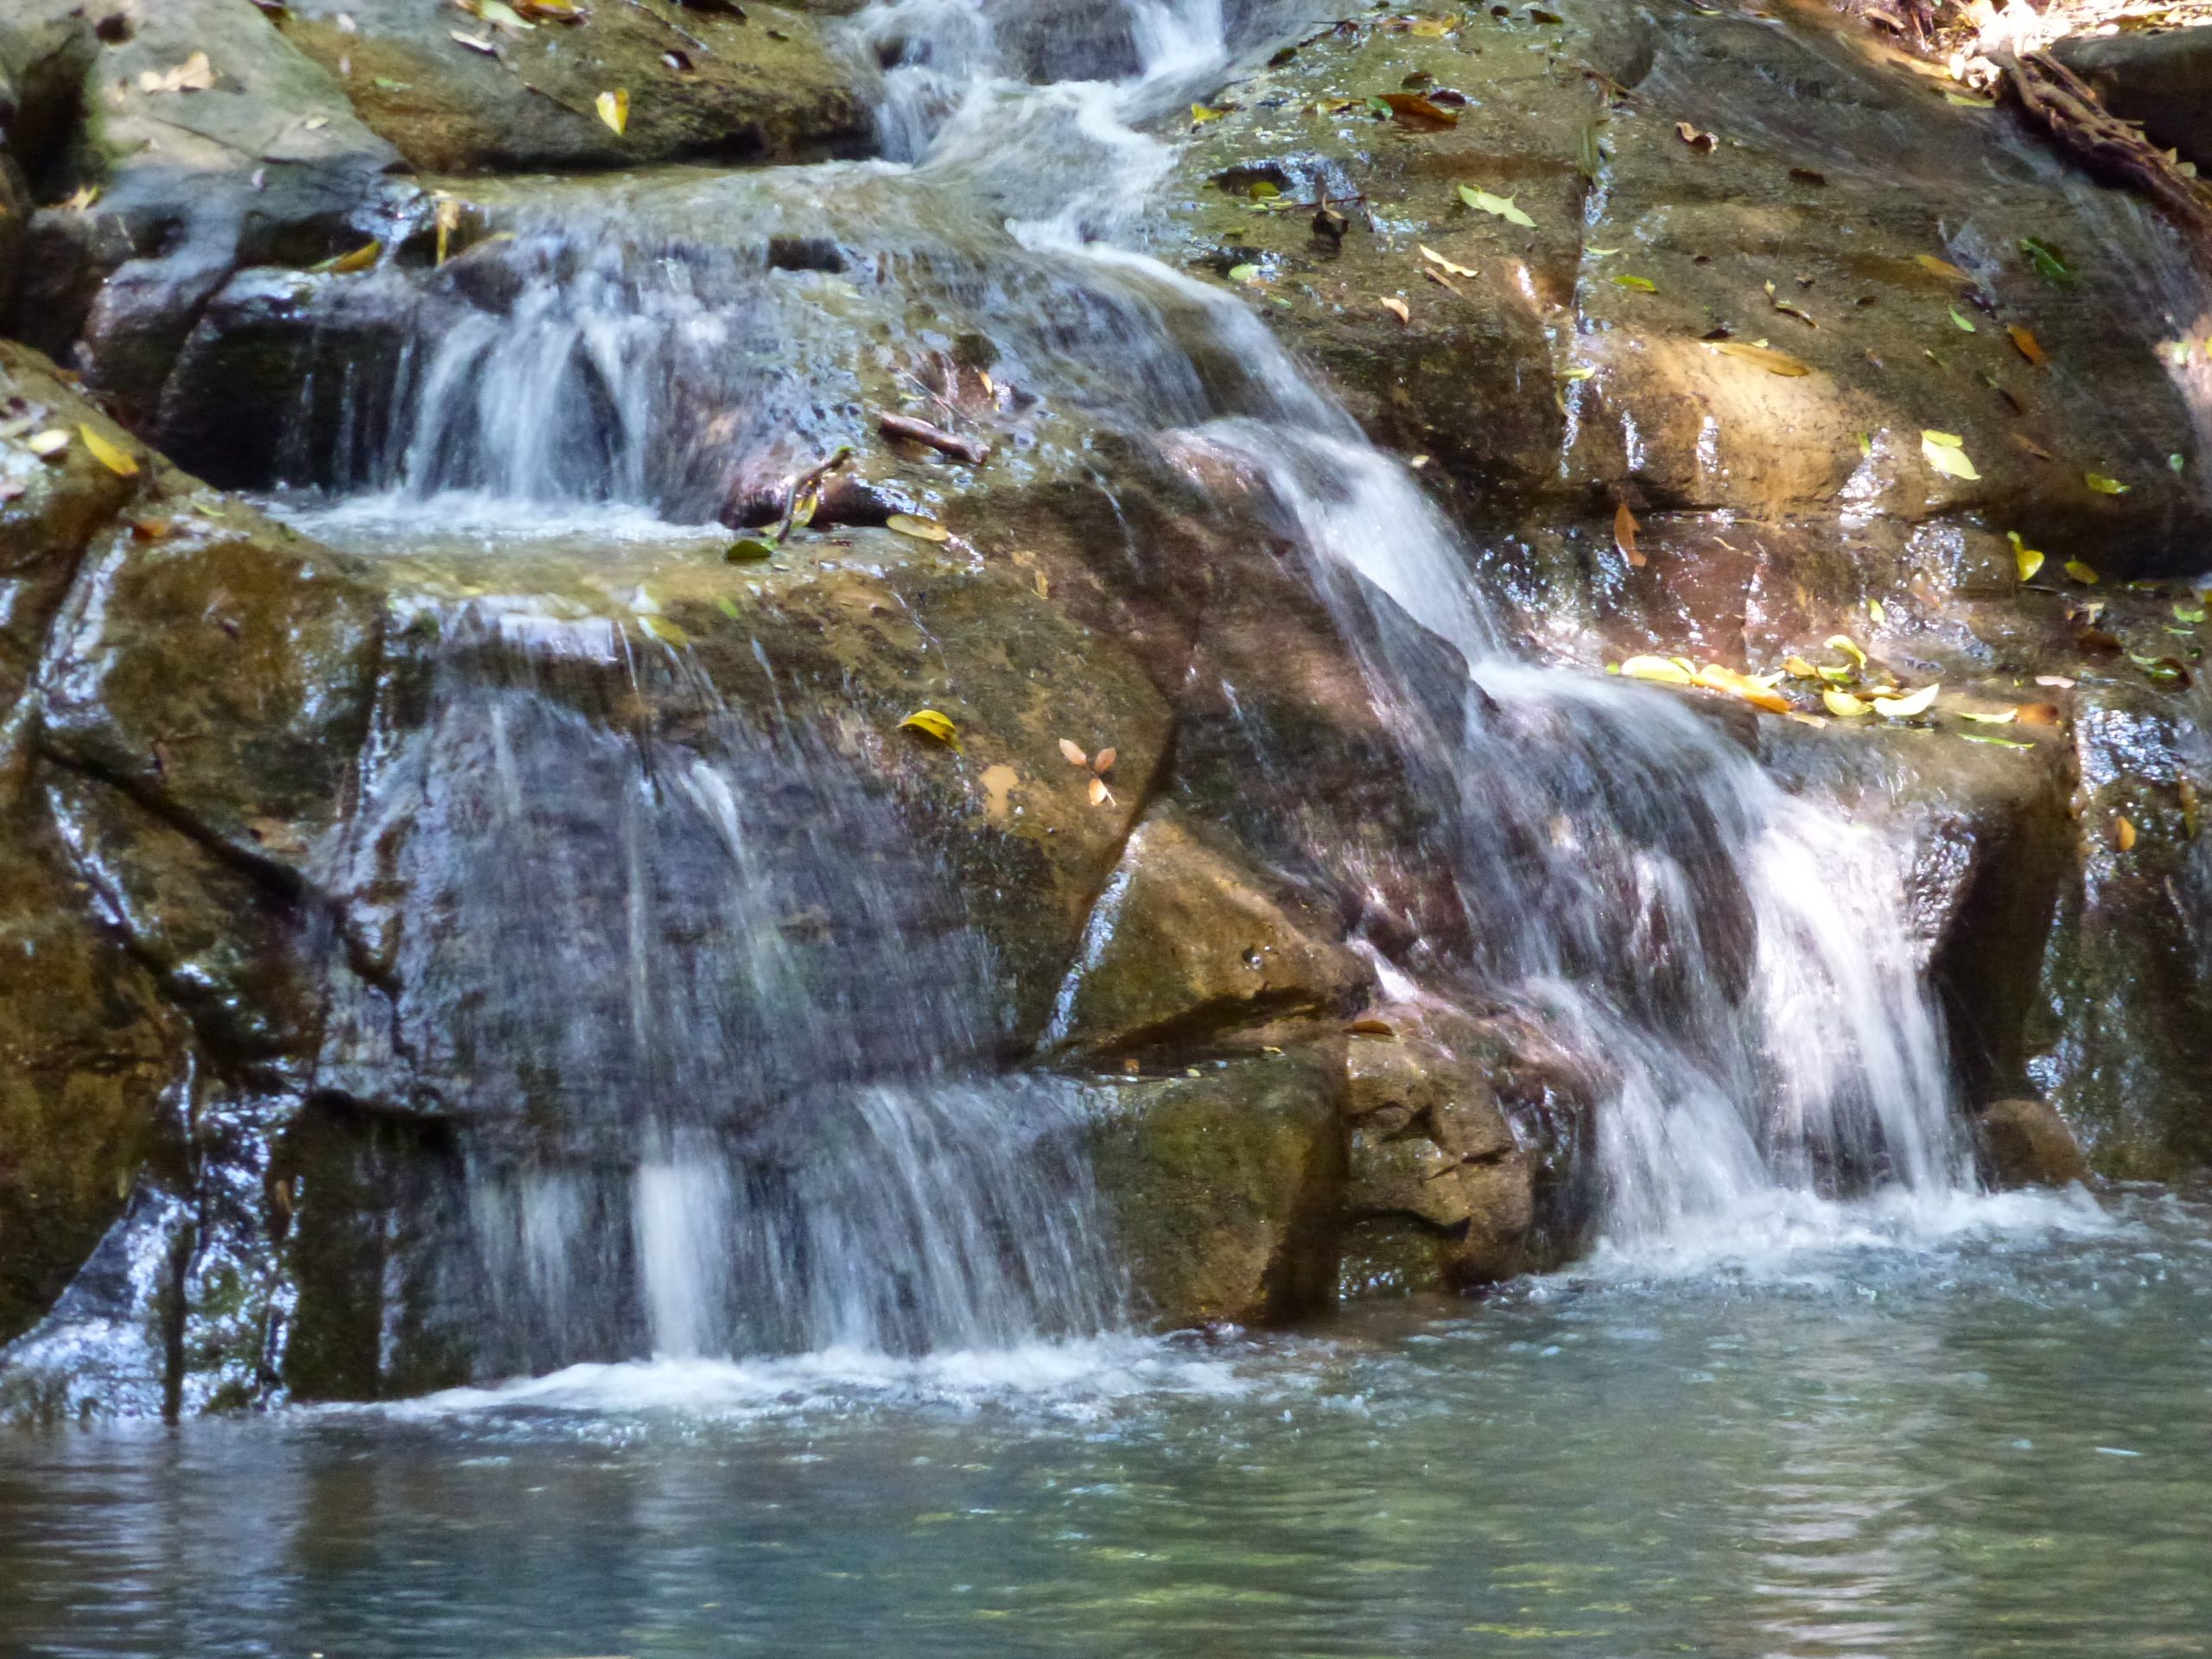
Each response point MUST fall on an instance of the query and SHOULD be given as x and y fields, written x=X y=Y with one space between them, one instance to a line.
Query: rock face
x=2028 y=1144
x=2163 y=80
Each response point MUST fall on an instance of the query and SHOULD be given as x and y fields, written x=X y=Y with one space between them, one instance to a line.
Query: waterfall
x=760 y=1145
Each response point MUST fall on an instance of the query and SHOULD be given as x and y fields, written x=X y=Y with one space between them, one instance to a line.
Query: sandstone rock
x=2161 y=79
x=1187 y=944
x=760 y=85
x=2028 y=1144
x=1224 y=1188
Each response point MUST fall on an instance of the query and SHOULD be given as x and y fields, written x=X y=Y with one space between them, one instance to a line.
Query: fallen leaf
x=1905 y=708
x=922 y=529
x=1641 y=284
x=1580 y=372
x=2124 y=831
x=1436 y=259
x=1370 y=1027
x=728 y=606
x=49 y=443
x=2027 y=344
x=1964 y=324
x=503 y=16
x=1992 y=742
x=1842 y=704
x=116 y=460
x=2104 y=486
x=1967 y=102
x=2184 y=614
x=1798 y=668
x=2081 y=573
x=1200 y=114
x=1874 y=608
x=1789 y=309
x=933 y=725
x=1397 y=308
x=1946 y=453
x=1943 y=268
x=476 y=42
x=1624 y=529
x=1417 y=110
x=1074 y=752
x=1766 y=357
x=2058 y=681
x=2024 y=556
x=1847 y=645
x=750 y=550
x=81 y=197
x=195 y=74
x=664 y=631
x=349 y=264
x=2003 y=717
x=1501 y=206
x=1701 y=142
x=1663 y=670
x=2047 y=263
x=613 y=109
x=1100 y=795
x=1244 y=273
x=1756 y=689
x=1102 y=762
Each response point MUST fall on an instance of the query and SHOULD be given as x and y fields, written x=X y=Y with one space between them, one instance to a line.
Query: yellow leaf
x=1906 y=706
x=1842 y=704
x=2027 y=557
x=1766 y=357
x=1501 y=206
x=1943 y=267
x=2027 y=344
x=2104 y=486
x=1800 y=669
x=1438 y=259
x=1074 y=752
x=117 y=461
x=614 y=109
x=1660 y=669
x=504 y=16
x=933 y=725
x=1946 y=453
x=922 y=529
x=1847 y=645
x=349 y=264
x=2081 y=573
x=1200 y=115
x=1397 y=308
x=2126 y=831
x=1757 y=692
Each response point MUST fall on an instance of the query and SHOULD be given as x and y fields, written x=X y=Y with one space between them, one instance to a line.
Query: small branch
x=944 y=442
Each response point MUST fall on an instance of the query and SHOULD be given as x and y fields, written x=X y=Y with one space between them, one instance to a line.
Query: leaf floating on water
x=1075 y=755
x=2024 y=556
x=750 y=550
x=1661 y=670
x=1703 y=142
x=1766 y=357
x=1843 y=705
x=350 y=264
x=1397 y=308
x=2081 y=573
x=2046 y=261
x=1964 y=324
x=1501 y=206
x=48 y=444
x=1946 y=453
x=929 y=723
x=1624 y=528
x=1906 y=706
x=1417 y=110
x=117 y=461
x=1943 y=267
x=2104 y=486
x=2027 y=344
x=2124 y=832
x=1847 y=645
x=1438 y=259
x=922 y=529
x=613 y=109
x=1641 y=284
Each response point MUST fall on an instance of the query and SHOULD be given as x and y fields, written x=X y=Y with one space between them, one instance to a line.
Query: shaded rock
x=2161 y=79
x=1224 y=1188
x=1187 y=943
x=762 y=84
x=266 y=164
x=2026 y=1143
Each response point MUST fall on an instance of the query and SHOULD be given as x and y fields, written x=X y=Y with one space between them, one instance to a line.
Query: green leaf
x=2047 y=263
x=1244 y=273
x=1642 y=284
x=2104 y=486
x=728 y=606
x=1501 y=206
x=1946 y=453
x=750 y=550
x=1964 y=325
x=1993 y=742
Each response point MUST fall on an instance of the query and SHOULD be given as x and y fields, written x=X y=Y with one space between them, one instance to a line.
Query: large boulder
x=757 y=82
x=2162 y=79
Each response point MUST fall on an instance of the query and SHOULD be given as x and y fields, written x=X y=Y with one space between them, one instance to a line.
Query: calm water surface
x=1999 y=1443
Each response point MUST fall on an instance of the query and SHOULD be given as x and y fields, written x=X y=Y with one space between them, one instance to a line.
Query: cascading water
x=744 y=1159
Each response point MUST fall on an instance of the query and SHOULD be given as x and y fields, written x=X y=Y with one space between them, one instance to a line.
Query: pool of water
x=1999 y=1442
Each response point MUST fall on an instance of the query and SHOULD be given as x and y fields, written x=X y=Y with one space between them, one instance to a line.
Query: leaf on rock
x=613 y=109
x=1993 y=742
x=1102 y=762
x=1963 y=323
x=1946 y=453
x=750 y=550
x=477 y=43
x=2104 y=486
x=1703 y=142
x=350 y=264
x=1396 y=307
x=1848 y=646
x=1074 y=752
x=2081 y=573
x=1663 y=670
x=2124 y=833
x=1438 y=259
x=1943 y=267
x=1201 y=113
x=116 y=460
x=2027 y=344
x=1244 y=273
x=2001 y=717
x=1624 y=528
x=1501 y=206
x=1641 y=284
x=664 y=631
x=937 y=727
x=48 y=444
x=1419 y=111
x=1100 y=795
x=195 y=74
x=1842 y=704
x=1789 y=308
x=503 y=16
x=1766 y=357
x=2047 y=263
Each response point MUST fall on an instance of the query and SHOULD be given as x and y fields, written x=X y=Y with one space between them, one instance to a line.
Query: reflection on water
x=1998 y=1445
